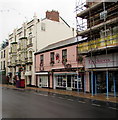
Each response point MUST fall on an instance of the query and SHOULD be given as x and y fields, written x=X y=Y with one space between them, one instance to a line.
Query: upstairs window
x=3 y=65
x=30 y=40
x=105 y=33
x=4 y=53
x=64 y=56
x=52 y=58
x=43 y=26
x=41 y=59
x=115 y=30
x=1 y=54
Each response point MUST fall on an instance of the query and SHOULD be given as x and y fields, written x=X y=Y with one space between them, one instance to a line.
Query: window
x=3 y=65
x=43 y=26
x=1 y=54
x=30 y=40
x=41 y=59
x=105 y=33
x=52 y=58
x=115 y=30
x=4 y=53
x=30 y=68
x=64 y=56
x=61 y=80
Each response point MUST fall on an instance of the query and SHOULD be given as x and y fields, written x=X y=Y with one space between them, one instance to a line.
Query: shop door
x=68 y=80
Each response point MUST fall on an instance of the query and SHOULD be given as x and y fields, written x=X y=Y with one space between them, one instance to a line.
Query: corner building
x=100 y=46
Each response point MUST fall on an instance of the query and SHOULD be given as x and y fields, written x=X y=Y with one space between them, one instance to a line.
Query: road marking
x=81 y=101
x=96 y=105
x=52 y=96
x=61 y=97
x=44 y=95
x=40 y=94
x=70 y=99
x=56 y=102
x=113 y=108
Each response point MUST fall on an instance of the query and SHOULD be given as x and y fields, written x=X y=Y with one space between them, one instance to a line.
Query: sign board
x=110 y=60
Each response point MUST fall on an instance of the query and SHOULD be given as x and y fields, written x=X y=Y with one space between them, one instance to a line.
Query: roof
x=60 y=44
x=55 y=21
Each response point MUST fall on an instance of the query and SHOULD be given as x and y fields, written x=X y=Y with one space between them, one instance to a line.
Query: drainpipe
x=84 y=83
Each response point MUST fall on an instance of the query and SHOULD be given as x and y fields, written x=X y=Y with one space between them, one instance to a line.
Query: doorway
x=68 y=80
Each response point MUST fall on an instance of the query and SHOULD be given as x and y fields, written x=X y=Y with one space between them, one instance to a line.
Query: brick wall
x=52 y=15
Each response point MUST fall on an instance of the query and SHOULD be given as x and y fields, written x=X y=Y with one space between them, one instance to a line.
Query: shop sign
x=110 y=60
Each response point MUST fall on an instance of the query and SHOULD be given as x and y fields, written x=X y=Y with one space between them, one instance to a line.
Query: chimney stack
x=52 y=15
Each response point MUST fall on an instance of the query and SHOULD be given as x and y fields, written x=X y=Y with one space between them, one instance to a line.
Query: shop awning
x=41 y=73
x=65 y=74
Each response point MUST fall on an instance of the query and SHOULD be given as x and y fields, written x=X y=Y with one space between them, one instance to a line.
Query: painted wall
x=71 y=59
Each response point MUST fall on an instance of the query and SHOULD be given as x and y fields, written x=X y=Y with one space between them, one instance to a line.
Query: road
x=31 y=104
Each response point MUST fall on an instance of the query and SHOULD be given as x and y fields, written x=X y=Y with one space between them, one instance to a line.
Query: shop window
x=43 y=81
x=101 y=82
x=61 y=81
x=74 y=81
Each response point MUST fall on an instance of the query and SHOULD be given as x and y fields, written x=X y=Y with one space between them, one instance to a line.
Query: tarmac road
x=30 y=104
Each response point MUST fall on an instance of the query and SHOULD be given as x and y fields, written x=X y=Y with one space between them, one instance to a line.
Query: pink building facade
x=57 y=66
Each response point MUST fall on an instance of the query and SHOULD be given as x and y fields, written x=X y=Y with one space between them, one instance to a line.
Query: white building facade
x=30 y=38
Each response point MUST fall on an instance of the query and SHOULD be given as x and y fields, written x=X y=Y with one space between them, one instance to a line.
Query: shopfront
x=42 y=79
x=69 y=81
x=103 y=73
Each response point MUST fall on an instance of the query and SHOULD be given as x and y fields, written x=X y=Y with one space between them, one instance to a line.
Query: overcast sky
x=14 y=12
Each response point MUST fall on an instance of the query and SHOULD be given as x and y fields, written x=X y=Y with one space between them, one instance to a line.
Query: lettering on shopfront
x=110 y=60
x=99 y=61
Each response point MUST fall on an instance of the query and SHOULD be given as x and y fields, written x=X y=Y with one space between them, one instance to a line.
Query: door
x=68 y=80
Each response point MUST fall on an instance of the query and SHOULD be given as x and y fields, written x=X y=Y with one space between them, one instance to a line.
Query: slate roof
x=59 y=44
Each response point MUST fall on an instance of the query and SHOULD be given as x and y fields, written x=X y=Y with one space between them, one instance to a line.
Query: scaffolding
x=94 y=21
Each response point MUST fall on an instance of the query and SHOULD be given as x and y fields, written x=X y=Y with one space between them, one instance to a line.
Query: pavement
x=111 y=101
